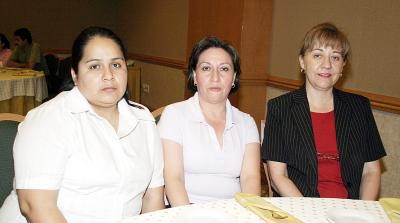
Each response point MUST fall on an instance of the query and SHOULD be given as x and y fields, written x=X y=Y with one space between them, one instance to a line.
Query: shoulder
x=242 y=116
x=140 y=111
x=178 y=108
x=284 y=100
x=351 y=98
x=48 y=117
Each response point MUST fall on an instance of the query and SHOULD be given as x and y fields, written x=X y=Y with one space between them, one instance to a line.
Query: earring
x=233 y=85
x=195 y=84
x=301 y=70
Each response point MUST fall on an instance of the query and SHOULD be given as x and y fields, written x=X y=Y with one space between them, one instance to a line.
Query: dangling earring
x=233 y=85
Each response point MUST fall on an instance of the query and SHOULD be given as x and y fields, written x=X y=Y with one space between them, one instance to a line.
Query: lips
x=325 y=74
x=108 y=89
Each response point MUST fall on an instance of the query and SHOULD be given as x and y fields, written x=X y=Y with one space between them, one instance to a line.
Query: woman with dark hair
x=87 y=155
x=211 y=149
x=5 y=51
x=320 y=141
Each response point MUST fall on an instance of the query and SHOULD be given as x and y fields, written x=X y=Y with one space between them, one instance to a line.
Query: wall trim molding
x=177 y=64
x=380 y=102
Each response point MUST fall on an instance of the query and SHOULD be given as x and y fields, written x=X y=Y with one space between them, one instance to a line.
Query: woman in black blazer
x=320 y=141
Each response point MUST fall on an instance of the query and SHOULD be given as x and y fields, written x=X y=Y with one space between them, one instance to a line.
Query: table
x=310 y=210
x=21 y=90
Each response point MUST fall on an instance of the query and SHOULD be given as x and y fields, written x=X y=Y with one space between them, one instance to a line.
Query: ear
x=194 y=78
x=74 y=77
x=301 y=62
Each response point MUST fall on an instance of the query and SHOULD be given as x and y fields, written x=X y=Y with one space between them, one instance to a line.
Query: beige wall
x=373 y=28
x=166 y=85
x=159 y=29
x=55 y=23
x=154 y=27
x=389 y=129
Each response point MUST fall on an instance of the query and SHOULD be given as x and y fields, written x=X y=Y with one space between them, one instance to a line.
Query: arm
x=370 y=181
x=174 y=173
x=268 y=179
x=280 y=181
x=40 y=206
x=153 y=199
x=250 y=173
x=11 y=63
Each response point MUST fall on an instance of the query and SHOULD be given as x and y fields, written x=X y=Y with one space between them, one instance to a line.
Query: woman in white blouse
x=88 y=155
x=211 y=149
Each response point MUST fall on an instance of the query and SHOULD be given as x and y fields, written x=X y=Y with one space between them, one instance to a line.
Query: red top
x=330 y=183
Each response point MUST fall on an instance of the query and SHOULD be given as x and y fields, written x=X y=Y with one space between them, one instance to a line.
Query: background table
x=21 y=90
x=310 y=210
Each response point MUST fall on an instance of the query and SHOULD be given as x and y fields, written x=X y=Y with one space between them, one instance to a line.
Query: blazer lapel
x=343 y=118
x=302 y=118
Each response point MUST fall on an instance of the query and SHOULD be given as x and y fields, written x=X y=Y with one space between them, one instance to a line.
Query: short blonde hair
x=326 y=34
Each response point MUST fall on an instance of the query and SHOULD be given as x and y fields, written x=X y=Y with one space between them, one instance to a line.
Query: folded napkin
x=392 y=208
x=265 y=210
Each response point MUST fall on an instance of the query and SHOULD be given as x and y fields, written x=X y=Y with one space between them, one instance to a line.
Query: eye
x=225 y=68
x=94 y=67
x=336 y=58
x=317 y=56
x=205 y=68
x=116 y=65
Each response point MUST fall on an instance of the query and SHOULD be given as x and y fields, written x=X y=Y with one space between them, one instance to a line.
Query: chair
x=64 y=73
x=8 y=130
x=52 y=80
x=157 y=113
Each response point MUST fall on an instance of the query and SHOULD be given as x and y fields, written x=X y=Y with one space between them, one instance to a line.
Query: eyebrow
x=334 y=51
x=112 y=59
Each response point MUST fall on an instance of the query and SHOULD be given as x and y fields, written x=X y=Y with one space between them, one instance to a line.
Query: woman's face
x=323 y=65
x=214 y=75
x=102 y=75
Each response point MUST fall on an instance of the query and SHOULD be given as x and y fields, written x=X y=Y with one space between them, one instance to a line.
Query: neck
x=320 y=101
x=111 y=114
x=213 y=111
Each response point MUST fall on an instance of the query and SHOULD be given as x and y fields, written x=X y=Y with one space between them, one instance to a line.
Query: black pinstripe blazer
x=289 y=138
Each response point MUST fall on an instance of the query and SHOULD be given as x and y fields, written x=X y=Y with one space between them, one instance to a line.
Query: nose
x=108 y=73
x=326 y=62
x=215 y=75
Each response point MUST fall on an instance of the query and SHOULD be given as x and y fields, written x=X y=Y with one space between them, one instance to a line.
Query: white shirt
x=101 y=174
x=210 y=172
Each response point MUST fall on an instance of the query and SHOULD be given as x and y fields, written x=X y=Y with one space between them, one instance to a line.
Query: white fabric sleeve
x=251 y=130
x=40 y=151
x=170 y=124
x=157 y=178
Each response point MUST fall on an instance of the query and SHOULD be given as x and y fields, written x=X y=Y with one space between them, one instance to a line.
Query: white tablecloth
x=22 y=82
x=310 y=210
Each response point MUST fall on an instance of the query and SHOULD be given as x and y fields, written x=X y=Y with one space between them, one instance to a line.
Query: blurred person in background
x=27 y=54
x=5 y=51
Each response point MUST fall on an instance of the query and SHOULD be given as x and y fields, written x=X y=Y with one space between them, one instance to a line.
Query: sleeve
x=14 y=55
x=35 y=54
x=40 y=152
x=375 y=149
x=251 y=130
x=169 y=125
x=272 y=146
x=157 y=178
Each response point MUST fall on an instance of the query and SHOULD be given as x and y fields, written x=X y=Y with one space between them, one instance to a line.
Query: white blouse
x=210 y=172
x=101 y=174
